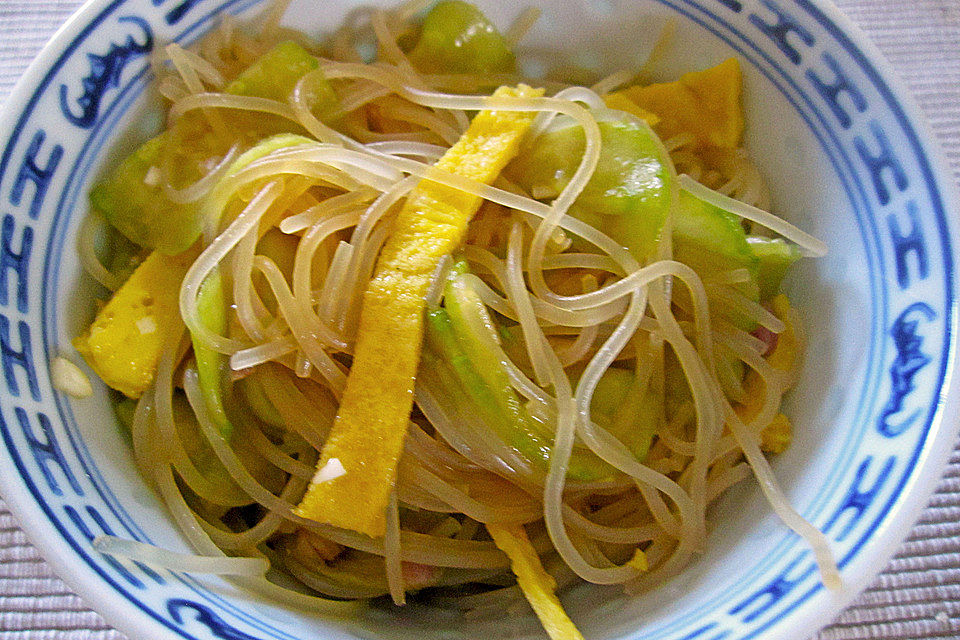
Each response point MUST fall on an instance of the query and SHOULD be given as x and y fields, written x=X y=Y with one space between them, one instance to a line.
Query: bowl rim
x=127 y=617
x=896 y=528
x=119 y=612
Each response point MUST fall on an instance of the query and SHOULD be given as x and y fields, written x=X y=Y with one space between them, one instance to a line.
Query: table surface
x=918 y=594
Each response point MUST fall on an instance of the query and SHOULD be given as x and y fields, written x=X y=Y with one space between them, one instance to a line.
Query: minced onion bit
x=330 y=471
x=69 y=378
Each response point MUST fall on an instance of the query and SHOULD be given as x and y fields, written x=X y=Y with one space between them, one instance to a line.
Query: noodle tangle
x=295 y=234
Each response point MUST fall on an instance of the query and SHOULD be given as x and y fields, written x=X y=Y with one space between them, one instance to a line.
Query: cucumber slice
x=618 y=407
x=630 y=193
x=775 y=257
x=460 y=335
x=251 y=389
x=496 y=404
x=457 y=38
x=132 y=199
x=610 y=392
x=213 y=366
x=709 y=239
x=276 y=73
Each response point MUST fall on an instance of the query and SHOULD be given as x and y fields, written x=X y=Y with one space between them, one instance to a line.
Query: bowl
x=847 y=159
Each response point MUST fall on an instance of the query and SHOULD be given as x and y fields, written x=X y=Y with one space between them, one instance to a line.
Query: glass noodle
x=578 y=305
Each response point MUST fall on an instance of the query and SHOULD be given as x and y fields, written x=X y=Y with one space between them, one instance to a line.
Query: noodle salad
x=389 y=319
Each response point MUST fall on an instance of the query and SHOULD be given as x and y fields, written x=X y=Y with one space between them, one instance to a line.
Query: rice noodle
x=807 y=243
x=204 y=185
x=251 y=311
x=521 y=25
x=274 y=455
x=173 y=561
x=306 y=330
x=343 y=203
x=262 y=353
x=208 y=261
x=768 y=484
x=185 y=66
x=391 y=546
x=91 y=226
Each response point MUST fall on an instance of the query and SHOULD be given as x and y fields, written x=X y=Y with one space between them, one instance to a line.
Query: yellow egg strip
x=537 y=585
x=124 y=342
x=704 y=103
x=367 y=436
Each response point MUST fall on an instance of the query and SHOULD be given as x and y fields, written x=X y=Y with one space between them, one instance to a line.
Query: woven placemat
x=916 y=597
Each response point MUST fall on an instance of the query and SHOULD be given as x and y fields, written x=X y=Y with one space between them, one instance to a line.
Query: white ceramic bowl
x=847 y=159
